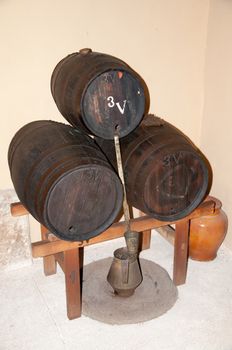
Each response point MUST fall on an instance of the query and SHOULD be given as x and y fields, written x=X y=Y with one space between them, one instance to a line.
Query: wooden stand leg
x=145 y=237
x=49 y=262
x=145 y=240
x=73 y=263
x=181 y=252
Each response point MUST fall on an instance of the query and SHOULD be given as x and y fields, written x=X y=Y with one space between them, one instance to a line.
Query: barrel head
x=176 y=185
x=83 y=203
x=113 y=99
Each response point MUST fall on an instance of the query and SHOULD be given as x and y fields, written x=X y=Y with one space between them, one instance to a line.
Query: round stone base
x=155 y=295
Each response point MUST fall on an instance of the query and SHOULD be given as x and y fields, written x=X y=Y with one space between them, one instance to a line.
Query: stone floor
x=33 y=310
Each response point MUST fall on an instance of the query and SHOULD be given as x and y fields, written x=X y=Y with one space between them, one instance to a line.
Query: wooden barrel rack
x=69 y=255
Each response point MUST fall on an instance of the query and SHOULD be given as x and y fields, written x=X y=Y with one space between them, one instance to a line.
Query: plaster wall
x=163 y=40
x=216 y=137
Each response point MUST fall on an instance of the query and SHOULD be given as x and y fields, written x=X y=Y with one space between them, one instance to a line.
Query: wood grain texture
x=72 y=283
x=49 y=261
x=181 y=252
x=70 y=254
x=96 y=92
x=113 y=99
x=141 y=224
x=17 y=209
x=116 y=230
x=145 y=240
x=167 y=232
x=145 y=237
x=64 y=180
x=166 y=176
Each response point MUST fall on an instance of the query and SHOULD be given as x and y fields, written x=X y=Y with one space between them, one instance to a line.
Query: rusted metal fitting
x=85 y=51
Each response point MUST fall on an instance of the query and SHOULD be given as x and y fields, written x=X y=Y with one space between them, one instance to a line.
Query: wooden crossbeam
x=69 y=255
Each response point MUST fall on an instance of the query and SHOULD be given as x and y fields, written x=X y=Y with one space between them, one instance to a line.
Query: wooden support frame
x=69 y=255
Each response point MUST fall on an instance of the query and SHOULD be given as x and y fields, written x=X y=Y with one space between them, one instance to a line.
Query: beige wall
x=164 y=40
x=216 y=139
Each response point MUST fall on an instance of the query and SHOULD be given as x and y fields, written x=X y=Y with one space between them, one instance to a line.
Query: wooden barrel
x=64 y=180
x=99 y=92
x=166 y=175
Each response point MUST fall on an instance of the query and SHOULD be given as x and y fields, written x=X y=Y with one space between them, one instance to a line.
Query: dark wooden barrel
x=166 y=175
x=99 y=92
x=64 y=180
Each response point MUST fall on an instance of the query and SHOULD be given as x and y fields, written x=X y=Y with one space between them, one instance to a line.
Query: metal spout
x=125 y=274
